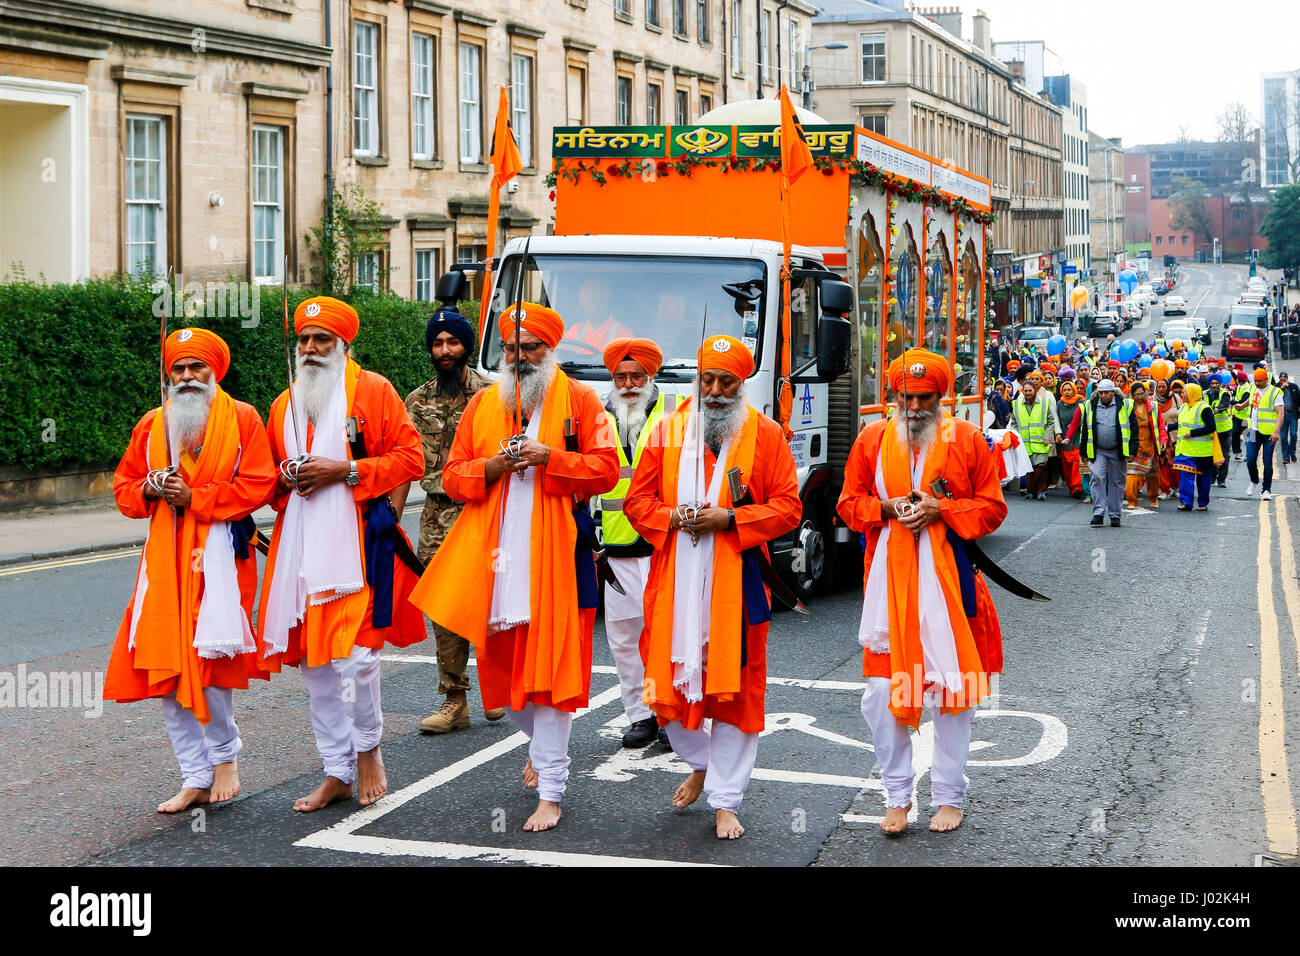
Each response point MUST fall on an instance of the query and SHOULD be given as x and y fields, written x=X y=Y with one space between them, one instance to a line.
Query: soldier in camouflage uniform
x=435 y=409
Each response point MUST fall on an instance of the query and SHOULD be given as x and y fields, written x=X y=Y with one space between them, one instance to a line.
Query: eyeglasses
x=629 y=378
x=532 y=348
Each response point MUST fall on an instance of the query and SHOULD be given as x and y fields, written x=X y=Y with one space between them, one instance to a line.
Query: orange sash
x=456 y=588
x=164 y=634
x=906 y=658
x=727 y=602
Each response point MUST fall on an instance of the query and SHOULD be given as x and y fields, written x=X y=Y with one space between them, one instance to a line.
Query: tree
x=1235 y=124
x=1183 y=135
x=1282 y=229
x=1187 y=208
x=352 y=225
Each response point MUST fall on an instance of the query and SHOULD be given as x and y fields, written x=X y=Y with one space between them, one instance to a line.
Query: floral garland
x=864 y=174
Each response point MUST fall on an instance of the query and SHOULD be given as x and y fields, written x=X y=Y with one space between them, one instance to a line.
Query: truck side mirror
x=453 y=286
x=834 y=332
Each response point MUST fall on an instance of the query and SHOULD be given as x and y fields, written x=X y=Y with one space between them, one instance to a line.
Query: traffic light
x=1254 y=254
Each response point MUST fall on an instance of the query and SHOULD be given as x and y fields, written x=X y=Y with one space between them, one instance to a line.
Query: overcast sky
x=1151 y=67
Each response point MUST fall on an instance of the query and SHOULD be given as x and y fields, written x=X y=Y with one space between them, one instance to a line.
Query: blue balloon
x=1127 y=351
x=1161 y=351
x=1056 y=345
x=1145 y=361
x=1193 y=355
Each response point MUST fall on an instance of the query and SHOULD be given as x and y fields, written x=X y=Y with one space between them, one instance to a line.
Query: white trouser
x=725 y=754
x=346 y=713
x=948 y=780
x=548 y=733
x=623 y=623
x=198 y=748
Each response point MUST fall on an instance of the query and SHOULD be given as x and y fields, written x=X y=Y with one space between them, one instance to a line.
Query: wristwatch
x=353 y=478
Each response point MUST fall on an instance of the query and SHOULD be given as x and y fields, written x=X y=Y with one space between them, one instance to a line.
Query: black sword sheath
x=980 y=561
x=604 y=571
x=773 y=580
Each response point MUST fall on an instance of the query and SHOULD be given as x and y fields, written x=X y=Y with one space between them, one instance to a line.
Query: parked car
x=1034 y=335
x=1162 y=287
x=1106 y=323
x=1175 y=305
x=1244 y=341
x=1132 y=312
x=1255 y=300
x=1256 y=315
x=1179 y=329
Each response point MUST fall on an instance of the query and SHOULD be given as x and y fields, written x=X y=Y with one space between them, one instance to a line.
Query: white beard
x=533 y=385
x=316 y=382
x=724 y=419
x=187 y=413
x=917 y=429
x=629 y=410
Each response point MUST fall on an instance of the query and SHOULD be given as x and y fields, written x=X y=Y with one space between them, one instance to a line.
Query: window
x=146 y=189
x=737 y=12
x=1184 y=240
x=653 y=94
x=1160 y=240
x=623 y=105
x=368 y=271
x=471 y=114
x=795 y=51
x=679 y=17
x=268 y=201
x=422 y=98
x=521 y=105
x=873 y=58
x=702 y=20
x=623 y=8
x=365 y=89
x=1238 y=214
x=875 y=122
x=577 y=95
x=683 y=107
x=765 y=44
x=706 y=103
x=426 y=270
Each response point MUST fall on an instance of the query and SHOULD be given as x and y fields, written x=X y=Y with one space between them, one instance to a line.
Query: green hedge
x=79 y=363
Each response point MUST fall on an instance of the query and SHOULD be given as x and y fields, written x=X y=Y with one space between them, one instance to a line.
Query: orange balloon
x=1161 y=369
x=1176 y=344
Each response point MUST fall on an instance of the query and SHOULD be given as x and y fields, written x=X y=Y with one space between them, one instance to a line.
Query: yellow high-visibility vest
x=614 y=526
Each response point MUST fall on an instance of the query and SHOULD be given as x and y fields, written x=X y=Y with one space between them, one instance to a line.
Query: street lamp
x=807 y=69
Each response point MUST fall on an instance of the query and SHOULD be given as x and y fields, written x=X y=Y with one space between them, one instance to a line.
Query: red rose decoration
x=661 y=169
x=552 y=195
x=828 y=171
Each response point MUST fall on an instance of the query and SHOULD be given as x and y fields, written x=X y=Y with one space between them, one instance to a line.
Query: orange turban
x=1260 y=374
x=642 y=351
x=200 y=344
x=332 y=315
x=1035 y=377
x=725 y=354
x=925 y=371
x=544 y=323
x=1182 y=363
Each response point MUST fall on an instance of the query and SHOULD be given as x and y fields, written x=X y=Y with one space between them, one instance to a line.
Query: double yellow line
x=1275 y=775
x=70 y=562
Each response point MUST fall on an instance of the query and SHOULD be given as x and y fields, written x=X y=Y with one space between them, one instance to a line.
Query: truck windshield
x=603 y=297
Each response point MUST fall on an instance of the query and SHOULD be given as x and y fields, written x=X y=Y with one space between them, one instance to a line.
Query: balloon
x=1145 y=361
x=1127 y=351
x=1078 y=297
x=1176 y=344
x=1193 y=355
x=1161 y=351
x=1161 y=369
x=1056 y=345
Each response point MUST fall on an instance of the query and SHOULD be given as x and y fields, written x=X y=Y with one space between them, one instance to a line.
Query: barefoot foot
x=372 y=782
x=225 y=782
x=729 y=827
x=946 y=819
x=545 y=817
x=689 y=791
x=331 y=789
x=530 y=777
x=186 y=798
x=895 y=821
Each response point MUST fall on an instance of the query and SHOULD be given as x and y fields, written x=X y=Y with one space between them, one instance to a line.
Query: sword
x=688 y=511
x=513 y=446
x=158 y=476
x=289 y=467
x=740 y=496
x=982 y=562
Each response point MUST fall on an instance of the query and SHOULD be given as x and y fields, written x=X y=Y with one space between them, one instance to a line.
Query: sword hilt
x=289 y=468
x=687 y=513
x=158 y=477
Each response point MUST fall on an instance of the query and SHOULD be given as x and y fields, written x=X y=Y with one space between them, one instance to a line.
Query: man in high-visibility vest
x=1219 y=397
x=1033 y=414
x=635 y=407
x=1267 y=411
x=1194 y=450
x=1240 y=411
x=1105 y=440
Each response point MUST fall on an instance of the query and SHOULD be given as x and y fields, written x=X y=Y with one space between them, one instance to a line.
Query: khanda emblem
x=701 y=140
x=917 y=369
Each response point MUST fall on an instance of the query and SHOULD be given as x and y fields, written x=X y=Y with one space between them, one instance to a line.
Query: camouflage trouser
x=439 y=514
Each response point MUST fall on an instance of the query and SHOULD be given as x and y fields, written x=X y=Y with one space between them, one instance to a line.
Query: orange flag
x=796 y=158
x=506 y=162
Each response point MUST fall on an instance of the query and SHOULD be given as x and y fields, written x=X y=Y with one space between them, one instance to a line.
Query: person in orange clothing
x=1146 y=441
x=336 y=584
x=515 y=575
x=185 y=636
x=600 y=327
x=706 y=608
x=929 y=627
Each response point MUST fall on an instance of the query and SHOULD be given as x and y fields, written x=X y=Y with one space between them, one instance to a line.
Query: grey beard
x=187 y=412
x=316 y=382
x=534 y=383
x=918 y=430
x=724 y=420
x=630 y=413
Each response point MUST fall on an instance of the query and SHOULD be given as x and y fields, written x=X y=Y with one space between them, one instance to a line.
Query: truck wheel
x=808 y=570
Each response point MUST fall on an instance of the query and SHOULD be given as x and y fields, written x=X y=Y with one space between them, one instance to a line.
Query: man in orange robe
x=706 y=608
x=929 y=628
x=185 y=636
x=513 y=575
x=336 y=589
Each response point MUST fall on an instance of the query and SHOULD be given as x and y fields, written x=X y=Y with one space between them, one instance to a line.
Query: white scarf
x=222 y=628
x=693 y=571
x=512 y=585
x=318 y=556
x=938 y=644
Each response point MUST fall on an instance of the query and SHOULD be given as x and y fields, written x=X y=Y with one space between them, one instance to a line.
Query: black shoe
x=1223 y=484
x=664 y=741
x=642 y=733
x=1114 y=522
x=1095 y=522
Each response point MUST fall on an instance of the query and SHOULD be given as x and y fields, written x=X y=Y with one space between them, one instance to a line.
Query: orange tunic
x=394 y=455
x=733 y=692
x=977 y=508
x=548 y=661
x=161 y=662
